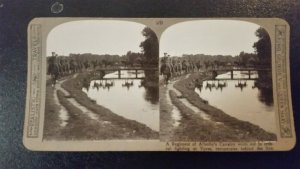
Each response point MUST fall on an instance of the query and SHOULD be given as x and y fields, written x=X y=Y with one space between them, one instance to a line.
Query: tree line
x=260 y=58
x=61 y=65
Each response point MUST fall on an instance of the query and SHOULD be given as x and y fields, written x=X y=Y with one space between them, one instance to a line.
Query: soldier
x=165 y=70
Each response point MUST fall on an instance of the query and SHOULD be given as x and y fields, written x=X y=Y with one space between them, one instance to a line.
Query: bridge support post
x=231 y=74
x=136 y=73
x=119 y=74
x=249 y=73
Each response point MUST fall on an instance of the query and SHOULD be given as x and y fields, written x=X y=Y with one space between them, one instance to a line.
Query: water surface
x=240 y=99
x=126 y=97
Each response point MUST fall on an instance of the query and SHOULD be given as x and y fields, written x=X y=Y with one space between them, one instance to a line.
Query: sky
x=96 y=37
x=211 y=37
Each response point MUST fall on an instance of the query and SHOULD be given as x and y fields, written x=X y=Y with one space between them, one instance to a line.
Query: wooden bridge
x=135 y=70
x=248 y=70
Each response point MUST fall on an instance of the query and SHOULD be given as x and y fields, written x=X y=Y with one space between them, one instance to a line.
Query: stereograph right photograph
x=216 y=82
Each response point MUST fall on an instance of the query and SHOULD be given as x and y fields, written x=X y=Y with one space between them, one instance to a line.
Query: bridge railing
x=135 y=69
x=240 y=69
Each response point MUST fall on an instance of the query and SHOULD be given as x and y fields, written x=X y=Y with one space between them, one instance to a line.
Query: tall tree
x=263 y=47
x=264 y=81
x=150 y=47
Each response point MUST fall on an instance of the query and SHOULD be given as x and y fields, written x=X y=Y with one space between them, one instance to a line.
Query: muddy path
x=184 y=101
x=178 y=108
x=63 y=112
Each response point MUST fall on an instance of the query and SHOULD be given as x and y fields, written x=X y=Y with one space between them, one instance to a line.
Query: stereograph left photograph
x=101 y=82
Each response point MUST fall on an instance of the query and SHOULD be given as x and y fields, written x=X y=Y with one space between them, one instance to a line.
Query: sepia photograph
x=158 y=84
x=216 y=82
x=209 y=84
x=102 y=81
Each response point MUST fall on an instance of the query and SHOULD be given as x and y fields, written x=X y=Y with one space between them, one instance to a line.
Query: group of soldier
x=59 y=66
x=175 y=66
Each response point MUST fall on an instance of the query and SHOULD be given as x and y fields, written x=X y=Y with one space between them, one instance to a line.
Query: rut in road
x=91 y=115
x=184 y=101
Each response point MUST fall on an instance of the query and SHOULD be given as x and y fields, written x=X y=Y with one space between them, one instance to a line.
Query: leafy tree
x=264 y=81
x=133 y=58
x=150 y=47
x=263 y=47
x=246 y=59
x=105 y=63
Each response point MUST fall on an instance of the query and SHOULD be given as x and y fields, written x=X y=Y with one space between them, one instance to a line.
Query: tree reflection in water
x=150 y=84
x=264 y=85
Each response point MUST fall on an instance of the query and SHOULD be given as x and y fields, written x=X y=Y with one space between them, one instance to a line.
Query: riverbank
x=219 y=127
x=105 y=125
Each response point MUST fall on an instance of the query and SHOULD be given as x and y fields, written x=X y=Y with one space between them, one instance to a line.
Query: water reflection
x=129 y=98
x=104 y=84
x=63 y=113
x=213 y=84
x=150 y=82
x=241 y=85
x=263 y=85
x=151 y=94
x=248 y=100
x=128 y=84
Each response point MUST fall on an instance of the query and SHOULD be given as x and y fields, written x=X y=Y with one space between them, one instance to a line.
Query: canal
x=247 y=100
x=126 y=97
